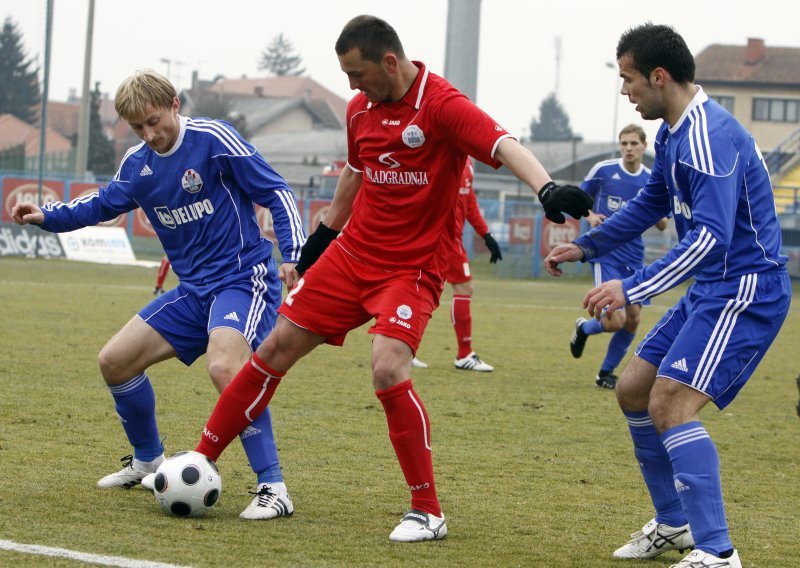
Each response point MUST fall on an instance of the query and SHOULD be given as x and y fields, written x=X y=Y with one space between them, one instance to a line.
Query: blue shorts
x=603 y=272
x=247 y=304
x=715 y=336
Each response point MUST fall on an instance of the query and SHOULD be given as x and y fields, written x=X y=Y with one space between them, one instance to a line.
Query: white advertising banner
x=98 y=244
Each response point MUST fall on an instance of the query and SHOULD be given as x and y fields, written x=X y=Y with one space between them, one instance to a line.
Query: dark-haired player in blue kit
x=612 y=183
x=196 y=180
x=710 y=174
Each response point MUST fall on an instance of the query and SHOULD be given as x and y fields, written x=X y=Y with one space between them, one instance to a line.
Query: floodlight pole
x=82 y=151
x=45 y=94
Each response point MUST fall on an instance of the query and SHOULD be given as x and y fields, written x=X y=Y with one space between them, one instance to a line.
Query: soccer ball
x=187 y=484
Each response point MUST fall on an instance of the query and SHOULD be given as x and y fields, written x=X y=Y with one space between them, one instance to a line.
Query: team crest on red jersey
x=191 y=181
x=413 y=137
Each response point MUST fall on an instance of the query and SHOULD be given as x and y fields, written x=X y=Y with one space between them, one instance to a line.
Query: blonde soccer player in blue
x=197 y=181
x=710 y=175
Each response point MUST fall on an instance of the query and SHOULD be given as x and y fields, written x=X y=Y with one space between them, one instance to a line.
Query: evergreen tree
x=19 y=88
x=553 y=123
x=279 y=58
x=101 y=158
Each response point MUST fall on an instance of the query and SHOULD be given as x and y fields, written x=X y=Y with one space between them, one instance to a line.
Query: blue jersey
x=711 y=176
x=199 y=198
x=612 y=186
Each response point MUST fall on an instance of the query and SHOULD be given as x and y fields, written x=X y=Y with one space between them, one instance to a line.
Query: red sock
x=461 y=316
x=241 y=402
x=409 y=431
x=163 y=270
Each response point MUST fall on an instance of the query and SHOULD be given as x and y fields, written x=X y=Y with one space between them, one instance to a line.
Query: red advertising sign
x=554 y=234
x=141 y=224
x=80 y=189
x=317 y=209
x=520 y=230
x=20 y=190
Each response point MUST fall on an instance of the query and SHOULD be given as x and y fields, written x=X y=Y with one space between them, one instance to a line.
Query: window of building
x=724 y=101
x=776 y=110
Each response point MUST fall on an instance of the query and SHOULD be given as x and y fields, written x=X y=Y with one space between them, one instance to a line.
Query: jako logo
x=400 y=322
x=210 y=435
x=680 y=208
x=387 y=122
x=420 y=486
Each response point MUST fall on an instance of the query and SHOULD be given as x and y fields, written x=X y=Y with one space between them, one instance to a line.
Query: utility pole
x=45 y=94
x=82 y=151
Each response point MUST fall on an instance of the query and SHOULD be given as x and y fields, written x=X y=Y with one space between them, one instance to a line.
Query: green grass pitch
x=534 y=464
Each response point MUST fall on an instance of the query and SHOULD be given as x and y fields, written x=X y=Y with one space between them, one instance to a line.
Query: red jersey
x=411 y=154
x=467 y=205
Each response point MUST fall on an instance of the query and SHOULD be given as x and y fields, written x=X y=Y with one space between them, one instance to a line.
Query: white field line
x=83 y=556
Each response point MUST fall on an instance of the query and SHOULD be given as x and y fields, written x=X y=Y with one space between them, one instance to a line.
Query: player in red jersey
x=161 y=276
x=457 y=273
x=409 y=133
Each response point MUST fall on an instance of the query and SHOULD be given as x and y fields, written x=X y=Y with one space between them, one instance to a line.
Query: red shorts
x=340 y=293
x=456 y=268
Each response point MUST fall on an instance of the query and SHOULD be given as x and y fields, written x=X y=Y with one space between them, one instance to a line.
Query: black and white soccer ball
x=187 y=484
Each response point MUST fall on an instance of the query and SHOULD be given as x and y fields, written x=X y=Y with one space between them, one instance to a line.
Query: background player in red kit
x=409 y=133
x=457 y=273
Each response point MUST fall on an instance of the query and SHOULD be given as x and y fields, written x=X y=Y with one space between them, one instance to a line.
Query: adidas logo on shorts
x=680 y=364
x=232 y=316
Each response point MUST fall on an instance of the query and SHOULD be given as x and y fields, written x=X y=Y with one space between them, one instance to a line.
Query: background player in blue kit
x=710 y=173
x=612 y=183
x=196 y=180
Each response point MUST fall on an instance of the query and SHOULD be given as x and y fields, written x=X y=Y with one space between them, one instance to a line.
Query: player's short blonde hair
x=143 y=88
x=634 y=129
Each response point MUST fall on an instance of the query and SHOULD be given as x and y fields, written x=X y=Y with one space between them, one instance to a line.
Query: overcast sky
x=517 y=62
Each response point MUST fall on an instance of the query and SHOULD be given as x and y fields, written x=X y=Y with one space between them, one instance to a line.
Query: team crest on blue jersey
x=413 y=137
x=191 y=181
x=614 y=203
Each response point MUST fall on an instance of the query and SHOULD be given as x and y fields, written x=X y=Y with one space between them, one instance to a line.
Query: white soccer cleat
x=417 y=526
x=473 y=363
x=700 y=559
x=271 y=501
x=417 y=364
x=131 y=474
x=655 y=538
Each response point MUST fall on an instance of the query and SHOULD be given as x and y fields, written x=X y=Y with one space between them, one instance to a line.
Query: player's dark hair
x=651 y=46
x=372 y=36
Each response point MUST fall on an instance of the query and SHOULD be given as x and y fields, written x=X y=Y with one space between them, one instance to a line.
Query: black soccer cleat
x=578 y=341
x=606 y=380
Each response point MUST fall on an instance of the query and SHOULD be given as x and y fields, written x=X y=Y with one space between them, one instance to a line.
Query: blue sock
x=592 y=327
x=135 y=403
x=617 y=348
x=259 y=445
x=656 y=469
x=696 y=465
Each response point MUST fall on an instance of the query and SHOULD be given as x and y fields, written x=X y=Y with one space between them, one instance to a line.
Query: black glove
x=560 y=199
x=493 y=247
x=315 y=245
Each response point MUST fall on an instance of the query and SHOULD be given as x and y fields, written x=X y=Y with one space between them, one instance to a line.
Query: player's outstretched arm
x=556 y=199
x=335 y=219
x=25 y=213
x=562 y=253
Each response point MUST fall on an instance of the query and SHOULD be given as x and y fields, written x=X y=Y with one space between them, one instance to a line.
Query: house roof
x=261 y=111
x=283 y=87
x=14 y=132
x=754 y=63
